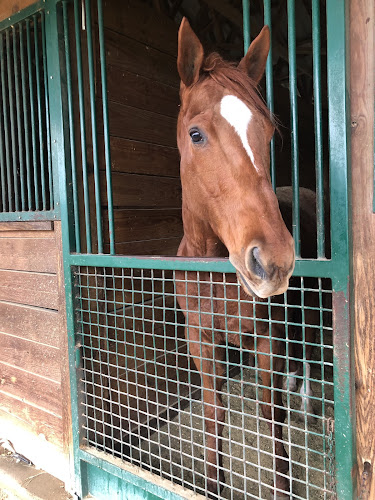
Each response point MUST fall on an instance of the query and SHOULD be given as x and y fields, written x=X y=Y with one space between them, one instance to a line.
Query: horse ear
x=254 y=62
x=190 y=54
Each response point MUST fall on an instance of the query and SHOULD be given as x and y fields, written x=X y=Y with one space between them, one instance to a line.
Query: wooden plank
x=39 y=391
x=33 y=289
x=144 y=191
x=28 y=254
x=38 y=420
x=136 y=57
x=138 y=124
x=165 y=246
x=26 y=234
x=135 y=157
x=10 y=7
x=31 y=323
x=131 y=225
x=363 y=237
x=135 y=90
x=30 y=356
x=42 y=225
x=143 y=23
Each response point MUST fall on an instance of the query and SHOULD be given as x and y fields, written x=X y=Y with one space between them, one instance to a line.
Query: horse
x=230 y=209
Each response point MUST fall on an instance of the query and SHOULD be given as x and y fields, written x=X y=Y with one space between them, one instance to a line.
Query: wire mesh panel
x=141 y=392
x=25 y=153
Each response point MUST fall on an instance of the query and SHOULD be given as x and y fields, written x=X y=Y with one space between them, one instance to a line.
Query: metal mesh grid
x=141 y=395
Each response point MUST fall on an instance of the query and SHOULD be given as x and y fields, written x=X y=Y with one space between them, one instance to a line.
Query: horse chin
x=245 y=285
x=258 y=294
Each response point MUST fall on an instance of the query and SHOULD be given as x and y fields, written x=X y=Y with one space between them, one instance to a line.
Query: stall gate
x=138 y=428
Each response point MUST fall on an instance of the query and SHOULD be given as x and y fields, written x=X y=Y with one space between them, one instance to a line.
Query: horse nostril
x=255 y=264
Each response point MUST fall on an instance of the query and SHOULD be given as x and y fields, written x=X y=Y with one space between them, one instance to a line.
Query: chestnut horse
x=230 y=209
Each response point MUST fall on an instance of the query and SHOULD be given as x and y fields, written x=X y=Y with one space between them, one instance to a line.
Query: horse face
x=223 y=140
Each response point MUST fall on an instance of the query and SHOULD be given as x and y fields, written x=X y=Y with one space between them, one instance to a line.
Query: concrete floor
x=24 y=482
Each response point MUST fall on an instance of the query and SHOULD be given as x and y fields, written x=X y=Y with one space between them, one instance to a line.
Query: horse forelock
x=227 y=75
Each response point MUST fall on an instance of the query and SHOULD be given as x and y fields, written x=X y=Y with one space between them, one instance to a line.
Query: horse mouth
x=245 y=285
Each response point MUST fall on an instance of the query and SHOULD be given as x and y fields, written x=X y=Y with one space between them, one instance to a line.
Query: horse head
x=223 y=133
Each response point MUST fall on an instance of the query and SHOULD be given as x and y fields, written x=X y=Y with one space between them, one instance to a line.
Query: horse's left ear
x=254 y=62
x=190 y=54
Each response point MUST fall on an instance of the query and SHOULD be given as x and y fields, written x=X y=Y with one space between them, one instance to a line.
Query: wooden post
x=362 y=59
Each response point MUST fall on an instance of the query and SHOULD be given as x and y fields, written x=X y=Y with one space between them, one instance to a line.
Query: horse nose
x=254 y=263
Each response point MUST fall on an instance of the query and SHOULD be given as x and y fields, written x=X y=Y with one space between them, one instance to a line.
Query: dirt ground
x=177 y=450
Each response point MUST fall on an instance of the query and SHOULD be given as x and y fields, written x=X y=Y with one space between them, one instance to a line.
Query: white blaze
x=239 y=116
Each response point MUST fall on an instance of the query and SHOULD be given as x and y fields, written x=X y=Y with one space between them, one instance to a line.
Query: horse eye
x=196 y=136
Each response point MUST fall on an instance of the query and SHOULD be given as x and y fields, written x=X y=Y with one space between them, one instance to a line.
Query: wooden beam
x=42 y=225
x=362 y=144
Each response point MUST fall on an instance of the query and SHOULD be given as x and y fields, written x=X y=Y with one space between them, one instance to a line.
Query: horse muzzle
x=263 y=279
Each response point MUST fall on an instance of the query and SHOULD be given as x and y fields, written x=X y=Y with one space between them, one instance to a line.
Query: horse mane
x=228 y=75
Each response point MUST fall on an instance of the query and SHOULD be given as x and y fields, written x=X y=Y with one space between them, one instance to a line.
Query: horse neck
x=199 y=240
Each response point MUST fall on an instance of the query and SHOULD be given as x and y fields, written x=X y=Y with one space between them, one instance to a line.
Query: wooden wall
x=34 y=390
x=10 y=7
x=362 y=22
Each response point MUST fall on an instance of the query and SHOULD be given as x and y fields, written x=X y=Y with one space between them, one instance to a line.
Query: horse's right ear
x=190 y=54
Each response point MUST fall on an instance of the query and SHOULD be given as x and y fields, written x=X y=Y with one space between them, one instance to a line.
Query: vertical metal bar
x=93 y=125
x=6 y=128
x=73 y=160
x=269 y=87
x=19 y=121
x=107 y=147
x=246 y=24
x=86 y=193
x=39 y=107
x=58 y=152
x=318 y=127
x=2 y=157
x=12 y=122
x=25 y=118
x=32 y=115
x=294 y=123
x=338 y=81
x=47 y=131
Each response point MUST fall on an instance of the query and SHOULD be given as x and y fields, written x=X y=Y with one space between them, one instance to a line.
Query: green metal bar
x=246 y=24
x=6 y=128
x=86 y=193
x=107 y=147
x=19 y=121
x=318 y=128
x=59 y=152
x=94 y=125
x=340 y=188
x=73 y=160
x=32 y=116
x=48 y=136
x=12 y=122
x=302 y=268
x=294 y=122
x=25 y=108
x=269 y=88
x=2 y=157
x=39 y=108
x=28 y=215
x=104 y=480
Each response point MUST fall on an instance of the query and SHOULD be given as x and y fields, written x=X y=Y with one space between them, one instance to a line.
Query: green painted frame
x=94 y=473
x=39 y=6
